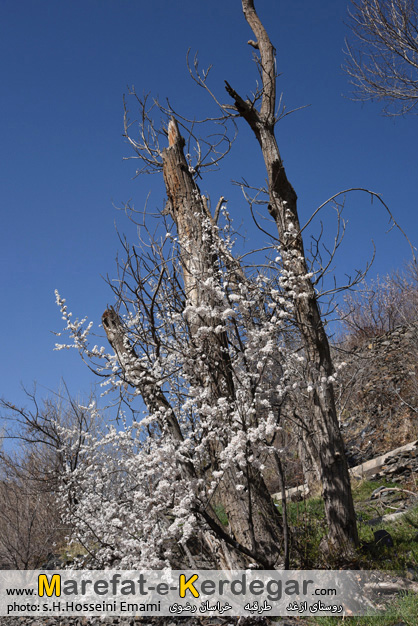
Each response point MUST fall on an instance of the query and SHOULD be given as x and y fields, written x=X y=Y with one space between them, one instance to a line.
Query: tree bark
x=253 y=518
x=255 y=532
x=322 y=420
x=222 y=554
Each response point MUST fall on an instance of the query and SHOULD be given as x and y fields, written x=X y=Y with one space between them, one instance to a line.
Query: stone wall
x=399 y=467
x=377 y=394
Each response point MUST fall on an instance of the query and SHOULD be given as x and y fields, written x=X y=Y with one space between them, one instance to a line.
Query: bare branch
x=382 y=59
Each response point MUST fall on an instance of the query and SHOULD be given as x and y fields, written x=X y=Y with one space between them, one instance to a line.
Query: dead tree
x=382 y=58
x=31 y=474
x=252 y=516
x=323 y=430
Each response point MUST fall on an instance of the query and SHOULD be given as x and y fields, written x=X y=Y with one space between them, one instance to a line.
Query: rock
x=411 y=573
x=383 y=538
x=375 y=493
x=53 y=562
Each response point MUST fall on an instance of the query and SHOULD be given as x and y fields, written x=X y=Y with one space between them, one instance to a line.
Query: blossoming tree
x=207 y=340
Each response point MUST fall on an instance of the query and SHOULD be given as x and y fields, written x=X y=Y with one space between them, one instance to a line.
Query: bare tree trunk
x=308 y=455
x=252 y=516
x=283 y=208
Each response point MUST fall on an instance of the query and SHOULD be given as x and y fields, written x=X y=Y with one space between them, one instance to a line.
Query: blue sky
x=65 y=67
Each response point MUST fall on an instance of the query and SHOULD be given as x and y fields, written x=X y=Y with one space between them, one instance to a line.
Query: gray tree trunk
x=253 y=519
x=322 y=420
x=254 y=531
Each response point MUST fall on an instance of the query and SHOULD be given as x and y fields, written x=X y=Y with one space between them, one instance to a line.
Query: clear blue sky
x=65 y=66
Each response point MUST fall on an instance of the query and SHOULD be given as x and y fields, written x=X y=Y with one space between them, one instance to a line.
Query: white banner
x=187 y=592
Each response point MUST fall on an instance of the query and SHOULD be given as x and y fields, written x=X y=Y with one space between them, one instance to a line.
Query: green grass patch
x=404 y=553
x=307 y=525
x=363 y=489
x=306 y=521
x=366 y=508
x=404 y=609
